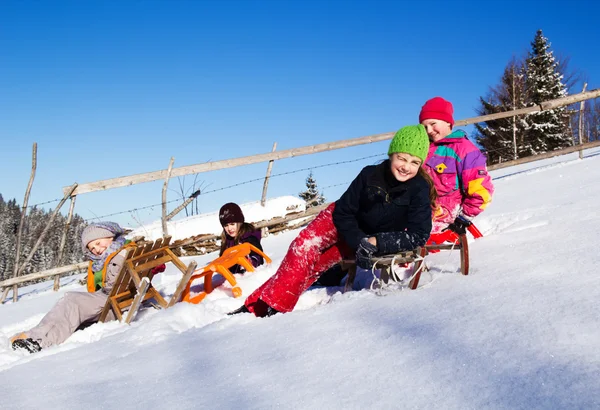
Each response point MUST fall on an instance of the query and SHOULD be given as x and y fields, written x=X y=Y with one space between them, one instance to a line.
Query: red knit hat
x=438 y=109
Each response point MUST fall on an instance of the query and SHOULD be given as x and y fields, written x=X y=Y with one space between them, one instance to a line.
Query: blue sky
x=114 y=88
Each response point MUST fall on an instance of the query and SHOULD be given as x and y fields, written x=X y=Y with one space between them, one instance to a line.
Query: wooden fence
x=74 y=190
x=309 y=214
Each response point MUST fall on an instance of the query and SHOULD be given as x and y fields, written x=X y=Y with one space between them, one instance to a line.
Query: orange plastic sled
x=236 y=255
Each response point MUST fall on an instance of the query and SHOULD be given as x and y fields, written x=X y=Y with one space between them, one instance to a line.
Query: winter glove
x=158 y=269
x=460 y=225
x=364 y=253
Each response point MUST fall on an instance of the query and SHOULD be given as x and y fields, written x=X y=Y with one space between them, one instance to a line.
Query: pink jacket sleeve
x=477 y=187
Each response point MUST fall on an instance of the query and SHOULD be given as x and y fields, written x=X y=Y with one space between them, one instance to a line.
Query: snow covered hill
x=521 y=331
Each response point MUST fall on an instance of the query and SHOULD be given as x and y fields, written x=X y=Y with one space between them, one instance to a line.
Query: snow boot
x=28 y=345
x=270 y=312
x=242 y=309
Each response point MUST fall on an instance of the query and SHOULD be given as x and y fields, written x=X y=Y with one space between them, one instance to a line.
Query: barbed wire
x=504 y=151
x=240 y=184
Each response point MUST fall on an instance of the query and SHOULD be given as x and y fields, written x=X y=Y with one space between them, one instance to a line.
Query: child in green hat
x=385 y=210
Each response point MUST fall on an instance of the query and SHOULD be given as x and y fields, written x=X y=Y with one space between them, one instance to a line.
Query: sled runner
x=134 y=283
x=386 y=262
x=236 y=255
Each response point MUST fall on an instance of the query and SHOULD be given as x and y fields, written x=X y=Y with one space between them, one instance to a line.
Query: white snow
x=522 y=331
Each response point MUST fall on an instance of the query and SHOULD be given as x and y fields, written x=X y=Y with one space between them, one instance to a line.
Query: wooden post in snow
x=263 y=198
x=22 y=221
x=164 y=198
x=581 y=114
x=45 y=231
x=63 y=239
x=183 y=205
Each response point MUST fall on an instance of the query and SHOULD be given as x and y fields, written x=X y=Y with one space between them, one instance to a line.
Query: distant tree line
x=527 y=82
x=35 y=221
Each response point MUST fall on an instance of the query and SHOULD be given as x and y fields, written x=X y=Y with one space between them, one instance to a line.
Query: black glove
x=460 y=225
x=364 y=253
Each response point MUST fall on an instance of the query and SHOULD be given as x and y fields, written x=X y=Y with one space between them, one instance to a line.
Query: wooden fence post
x=22 y=221
x=183 y=205
x=263 y=198
x=164 y=198
x=44 y=232
x=61 y=249
x=581 y=114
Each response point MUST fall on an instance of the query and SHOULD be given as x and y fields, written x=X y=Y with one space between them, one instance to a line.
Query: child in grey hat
x=104 y=245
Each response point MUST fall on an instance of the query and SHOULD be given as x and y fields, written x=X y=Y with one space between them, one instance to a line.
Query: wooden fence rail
x=312 y=149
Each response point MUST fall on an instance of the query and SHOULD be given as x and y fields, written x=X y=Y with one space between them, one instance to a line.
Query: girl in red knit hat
x=235 y=231
x=458 y=169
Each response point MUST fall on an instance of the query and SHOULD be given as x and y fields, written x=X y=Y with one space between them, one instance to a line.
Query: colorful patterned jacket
x=460 y=177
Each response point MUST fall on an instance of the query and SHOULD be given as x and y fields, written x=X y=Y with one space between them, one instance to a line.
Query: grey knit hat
x=93 y=232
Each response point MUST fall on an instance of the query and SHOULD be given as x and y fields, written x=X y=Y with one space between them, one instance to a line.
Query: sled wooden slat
x=137 y=300
x=136 y=274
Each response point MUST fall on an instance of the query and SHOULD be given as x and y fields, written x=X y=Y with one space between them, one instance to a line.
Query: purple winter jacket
x=460 y=176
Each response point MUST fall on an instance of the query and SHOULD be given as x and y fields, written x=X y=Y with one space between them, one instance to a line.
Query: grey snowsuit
x=76 y=308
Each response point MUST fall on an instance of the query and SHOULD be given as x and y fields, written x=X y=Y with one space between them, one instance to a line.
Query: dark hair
x=245 y=228
x=433 y=195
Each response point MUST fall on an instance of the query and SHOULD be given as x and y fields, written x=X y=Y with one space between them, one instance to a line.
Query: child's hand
x=460 y=225
x=364 y=253
x=158 y=269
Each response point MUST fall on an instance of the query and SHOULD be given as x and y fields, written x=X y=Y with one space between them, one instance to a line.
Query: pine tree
x=311 y=195
x=593 y=124
x=46 y=255
x=503 y=138
x=548 y=130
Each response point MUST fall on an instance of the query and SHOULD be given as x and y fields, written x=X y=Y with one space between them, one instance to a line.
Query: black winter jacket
x=376 y=204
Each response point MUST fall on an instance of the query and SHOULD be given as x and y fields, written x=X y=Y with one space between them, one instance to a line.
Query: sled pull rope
x=382 y=285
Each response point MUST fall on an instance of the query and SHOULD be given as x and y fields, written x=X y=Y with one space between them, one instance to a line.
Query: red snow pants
x=316 y=249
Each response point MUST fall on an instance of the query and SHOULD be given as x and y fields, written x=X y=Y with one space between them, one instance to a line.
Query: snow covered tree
x=46 y=255
x=311 y=195
x=548 y=130
x=593 y=123
x=502 y=139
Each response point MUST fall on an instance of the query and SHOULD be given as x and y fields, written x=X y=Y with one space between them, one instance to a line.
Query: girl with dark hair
x=236 y=231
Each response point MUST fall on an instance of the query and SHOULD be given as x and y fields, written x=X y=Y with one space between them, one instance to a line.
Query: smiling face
x=404 y=166
x=232 y=229
x=436 y=129
x=99 y=246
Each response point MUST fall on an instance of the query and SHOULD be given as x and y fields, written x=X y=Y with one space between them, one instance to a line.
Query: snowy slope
x=521 y=331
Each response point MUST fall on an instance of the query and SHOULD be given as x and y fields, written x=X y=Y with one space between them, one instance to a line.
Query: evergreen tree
x=46 y=256
x=548 y=130
x=311 y=195
x=593 y=124
x=502 y=139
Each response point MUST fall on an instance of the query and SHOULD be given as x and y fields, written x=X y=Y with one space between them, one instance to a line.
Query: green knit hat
x=412 y=140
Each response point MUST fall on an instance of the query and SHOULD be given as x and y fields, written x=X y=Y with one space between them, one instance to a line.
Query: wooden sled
x=236 y=255
x=134 y=283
